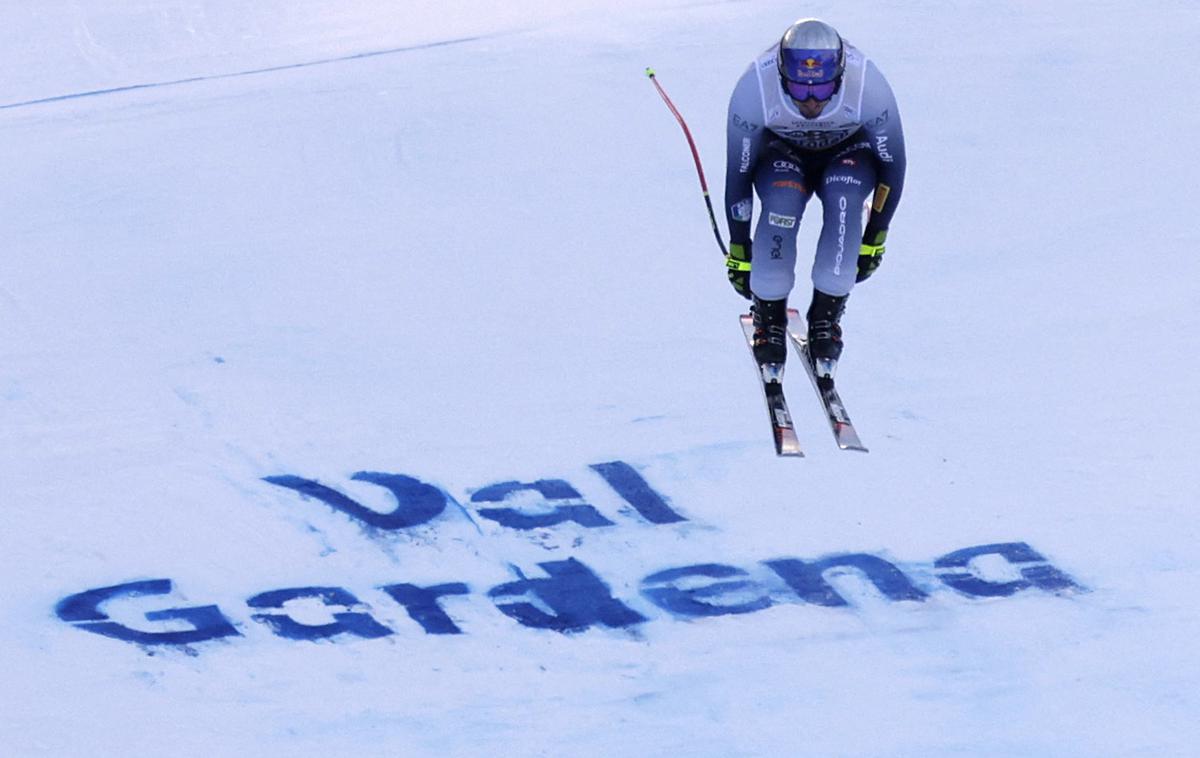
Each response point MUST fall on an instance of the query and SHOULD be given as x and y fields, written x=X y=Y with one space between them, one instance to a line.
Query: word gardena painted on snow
x=571 y=597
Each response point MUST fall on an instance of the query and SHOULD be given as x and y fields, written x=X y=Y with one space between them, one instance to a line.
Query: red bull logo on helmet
x=809 y=65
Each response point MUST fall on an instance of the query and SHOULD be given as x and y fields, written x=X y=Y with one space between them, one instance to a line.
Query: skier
x=811 y=115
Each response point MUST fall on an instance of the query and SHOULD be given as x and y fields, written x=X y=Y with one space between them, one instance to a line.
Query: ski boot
x=824 y=333
x=770 y=336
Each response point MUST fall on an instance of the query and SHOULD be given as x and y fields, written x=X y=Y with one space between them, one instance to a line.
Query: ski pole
x=696 y=157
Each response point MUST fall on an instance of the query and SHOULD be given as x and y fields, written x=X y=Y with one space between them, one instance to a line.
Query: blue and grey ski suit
x=853 y=148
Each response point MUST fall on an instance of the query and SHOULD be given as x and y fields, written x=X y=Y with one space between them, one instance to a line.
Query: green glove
x=870 y=255
x=737 y=264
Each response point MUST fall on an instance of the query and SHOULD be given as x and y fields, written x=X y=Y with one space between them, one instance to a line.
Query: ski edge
x=844 y=433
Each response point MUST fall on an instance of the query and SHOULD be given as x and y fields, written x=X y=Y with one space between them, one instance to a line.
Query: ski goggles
x=801 y=91
x=811 y=74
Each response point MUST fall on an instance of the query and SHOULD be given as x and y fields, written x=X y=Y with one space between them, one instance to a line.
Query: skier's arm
x=744 y=136
x=882 y=122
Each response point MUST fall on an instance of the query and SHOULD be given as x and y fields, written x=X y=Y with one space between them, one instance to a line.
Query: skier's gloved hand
x=870 y=255
x=738 y=265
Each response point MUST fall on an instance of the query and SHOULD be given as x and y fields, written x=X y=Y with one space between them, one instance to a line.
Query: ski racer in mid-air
x=811 y=115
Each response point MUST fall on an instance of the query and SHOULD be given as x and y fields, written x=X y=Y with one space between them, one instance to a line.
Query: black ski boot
x=770 y=331
x=824 y=332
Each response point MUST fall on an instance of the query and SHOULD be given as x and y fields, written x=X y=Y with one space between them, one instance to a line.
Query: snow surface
x=292 y=237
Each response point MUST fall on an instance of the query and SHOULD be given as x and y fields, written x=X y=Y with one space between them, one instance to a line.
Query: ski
x=772 y=387
x=843 y=429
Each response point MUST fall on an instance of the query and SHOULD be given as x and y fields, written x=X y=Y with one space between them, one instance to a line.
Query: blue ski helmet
x=812 y=58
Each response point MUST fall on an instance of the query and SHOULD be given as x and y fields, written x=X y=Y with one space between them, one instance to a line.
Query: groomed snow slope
x=307 y=308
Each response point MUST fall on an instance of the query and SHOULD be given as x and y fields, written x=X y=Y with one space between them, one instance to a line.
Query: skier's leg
x=847 y=181
x=783 y=193
x=846 y=184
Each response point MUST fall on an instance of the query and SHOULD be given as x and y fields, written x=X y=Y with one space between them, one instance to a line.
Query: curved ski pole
x=712 y=217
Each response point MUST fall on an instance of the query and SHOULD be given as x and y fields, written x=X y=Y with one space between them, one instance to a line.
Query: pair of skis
x=782 y=427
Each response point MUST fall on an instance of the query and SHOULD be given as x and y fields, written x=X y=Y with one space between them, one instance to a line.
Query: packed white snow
x=464 y=253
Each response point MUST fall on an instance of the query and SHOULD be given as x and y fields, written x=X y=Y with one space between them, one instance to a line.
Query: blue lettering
x=1041 y=575
x=807 y=578
x=416 y=502
x=576 y=597
x=549 y=490
x=630 y=485
x=83 y=609
x=665 y=589
x=422 y=606
x=358 y=624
